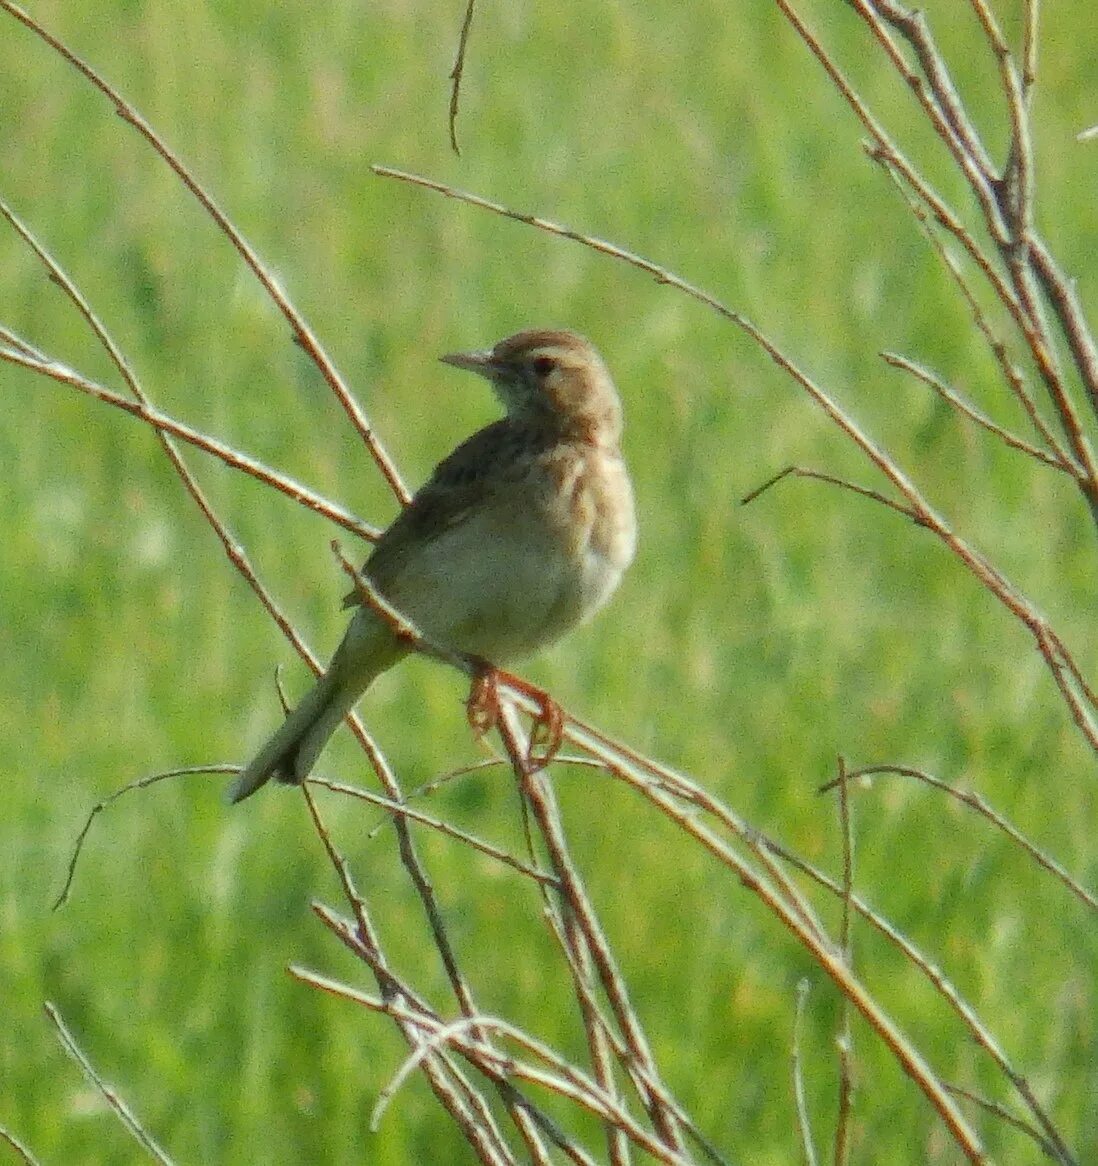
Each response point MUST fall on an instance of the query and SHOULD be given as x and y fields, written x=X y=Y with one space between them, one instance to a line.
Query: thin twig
x=1008 y=1118
x=1040 y=349
x=459 y=771
x=845 y=1040
x=438 y=824
x=538 y=794
x=602 y=1040
x=23 y=347
x=1010 y=371
x=1062 y=295
x=830 y=479
x=162 y=423
x=1016 y=186
x=1029 y=45
x=933 y=88
x=18 y=1147
x=800 y=1101
x=967 y=409
x=976 y=802
x=110 y=1095
x=457 y=71
x=110 y=799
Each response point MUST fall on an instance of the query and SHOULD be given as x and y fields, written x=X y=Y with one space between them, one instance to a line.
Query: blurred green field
x=748 y=646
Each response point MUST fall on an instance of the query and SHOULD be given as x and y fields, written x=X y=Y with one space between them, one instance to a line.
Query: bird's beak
x=481 y=362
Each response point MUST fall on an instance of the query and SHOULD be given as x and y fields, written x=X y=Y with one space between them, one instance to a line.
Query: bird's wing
x=456 y=488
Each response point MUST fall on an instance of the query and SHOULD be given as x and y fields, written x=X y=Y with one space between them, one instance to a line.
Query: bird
x=521 y=533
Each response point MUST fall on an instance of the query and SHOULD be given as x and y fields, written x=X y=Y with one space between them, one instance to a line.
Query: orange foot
x=482 y=710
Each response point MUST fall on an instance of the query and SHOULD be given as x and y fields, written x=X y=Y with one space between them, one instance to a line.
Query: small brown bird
x=520 y=534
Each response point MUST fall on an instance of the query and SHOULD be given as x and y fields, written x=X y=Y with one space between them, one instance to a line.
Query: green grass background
x=747 y=646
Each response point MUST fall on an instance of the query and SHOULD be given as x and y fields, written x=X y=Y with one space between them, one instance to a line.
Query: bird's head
x=552 y=378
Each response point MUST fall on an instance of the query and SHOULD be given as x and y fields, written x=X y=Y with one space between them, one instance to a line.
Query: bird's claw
x=483 y=712
x=482 y=707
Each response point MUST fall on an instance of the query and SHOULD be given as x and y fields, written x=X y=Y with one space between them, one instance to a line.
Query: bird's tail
x=291 y=752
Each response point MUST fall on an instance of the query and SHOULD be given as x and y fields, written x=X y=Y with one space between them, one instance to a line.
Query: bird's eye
x=543 y=365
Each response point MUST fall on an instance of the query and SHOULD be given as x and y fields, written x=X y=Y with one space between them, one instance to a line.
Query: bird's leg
x=482 y=710
x=482 y=707
x=547 y=731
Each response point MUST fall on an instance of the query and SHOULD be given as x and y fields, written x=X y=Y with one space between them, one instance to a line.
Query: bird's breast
x=539 y=553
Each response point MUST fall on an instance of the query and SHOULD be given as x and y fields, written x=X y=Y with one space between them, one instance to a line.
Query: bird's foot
x=482 y=710
x=482 y=707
